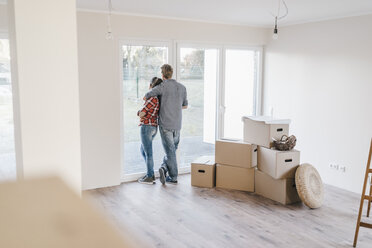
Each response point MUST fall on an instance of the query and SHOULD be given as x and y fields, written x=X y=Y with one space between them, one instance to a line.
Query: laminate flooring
x=185 y=216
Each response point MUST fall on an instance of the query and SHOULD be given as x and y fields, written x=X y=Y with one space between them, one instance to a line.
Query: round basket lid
x=309 y=186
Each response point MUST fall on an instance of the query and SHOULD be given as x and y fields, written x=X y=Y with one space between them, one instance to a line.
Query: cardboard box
x=280 y=190
x=231 y=177
x=203 y=172
x=261 y=130
x=236 y=153
x=278 y=164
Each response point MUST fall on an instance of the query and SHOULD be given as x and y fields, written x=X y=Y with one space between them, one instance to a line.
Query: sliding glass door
x=223 y=84
x=240 y=91
x=141 y=62
x=198 y=71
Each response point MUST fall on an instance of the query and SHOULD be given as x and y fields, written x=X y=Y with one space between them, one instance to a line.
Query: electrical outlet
x=333 y=166
x=337 y=167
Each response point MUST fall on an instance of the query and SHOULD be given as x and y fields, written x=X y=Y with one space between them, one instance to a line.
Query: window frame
x=257 y=98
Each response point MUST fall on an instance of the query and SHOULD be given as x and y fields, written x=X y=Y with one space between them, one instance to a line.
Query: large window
x=240 y=89
x=141 y=62
x=223 y=84
x=7 y=150
x=198 y=71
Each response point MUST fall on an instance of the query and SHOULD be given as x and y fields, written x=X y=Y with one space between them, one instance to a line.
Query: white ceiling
x=243 y=12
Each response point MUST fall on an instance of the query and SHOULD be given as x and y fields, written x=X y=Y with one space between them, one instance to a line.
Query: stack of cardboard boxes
x=275 y=175
x=233 y=166
x=235 y=163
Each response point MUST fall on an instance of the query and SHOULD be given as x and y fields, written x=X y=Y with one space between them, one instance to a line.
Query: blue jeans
x=170 y=140
x=147 y=135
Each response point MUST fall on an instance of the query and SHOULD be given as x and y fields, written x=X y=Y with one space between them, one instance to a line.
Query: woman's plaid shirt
x=149 y=112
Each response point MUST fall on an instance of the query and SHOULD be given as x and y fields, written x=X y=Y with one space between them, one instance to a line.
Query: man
x=173 y=98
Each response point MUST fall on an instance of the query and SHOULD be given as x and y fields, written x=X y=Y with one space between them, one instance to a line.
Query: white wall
x=3 y=18
x=43 y=39
x=99 y=65
x=320 y=76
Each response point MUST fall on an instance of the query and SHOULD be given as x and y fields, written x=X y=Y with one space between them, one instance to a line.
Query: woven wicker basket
x=285 y=143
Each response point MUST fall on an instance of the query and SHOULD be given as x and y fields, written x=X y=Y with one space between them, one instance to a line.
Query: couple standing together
x=163 y=106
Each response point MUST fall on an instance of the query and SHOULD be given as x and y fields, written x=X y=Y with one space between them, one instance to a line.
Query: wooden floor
x=185 y=216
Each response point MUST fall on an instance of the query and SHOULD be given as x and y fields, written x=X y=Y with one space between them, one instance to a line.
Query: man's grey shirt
x=173 y=97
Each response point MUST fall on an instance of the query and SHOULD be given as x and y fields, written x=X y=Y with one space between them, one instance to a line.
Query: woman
x=149 y=128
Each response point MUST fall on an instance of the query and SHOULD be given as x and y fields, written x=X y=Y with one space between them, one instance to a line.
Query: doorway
x=141 y=62
x=198 y=68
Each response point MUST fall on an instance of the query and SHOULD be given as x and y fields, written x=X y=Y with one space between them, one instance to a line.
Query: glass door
x=198 y=71
x=7 y=149
x=141 y=62
x=241 y=90
x=223 y=84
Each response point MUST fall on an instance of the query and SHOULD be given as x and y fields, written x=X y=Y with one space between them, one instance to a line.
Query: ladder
x=363 y=198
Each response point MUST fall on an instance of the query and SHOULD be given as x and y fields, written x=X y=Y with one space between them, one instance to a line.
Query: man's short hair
x=167 y=71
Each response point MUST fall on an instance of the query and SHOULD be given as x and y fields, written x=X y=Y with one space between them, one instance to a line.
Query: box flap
x=230 y=139
x=237 y=141
x=207 y=160
x=267 y=119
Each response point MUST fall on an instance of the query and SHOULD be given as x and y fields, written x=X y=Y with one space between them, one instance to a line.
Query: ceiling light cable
x=286 y=10
x=278 y=17
x=109 y=35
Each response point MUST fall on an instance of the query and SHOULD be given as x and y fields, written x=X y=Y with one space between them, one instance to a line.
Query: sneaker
x=162 y=175
x=170 y=180
x=147 y=180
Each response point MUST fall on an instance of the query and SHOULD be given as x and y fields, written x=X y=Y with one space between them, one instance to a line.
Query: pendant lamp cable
x=279 y=17
x=109 y=35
